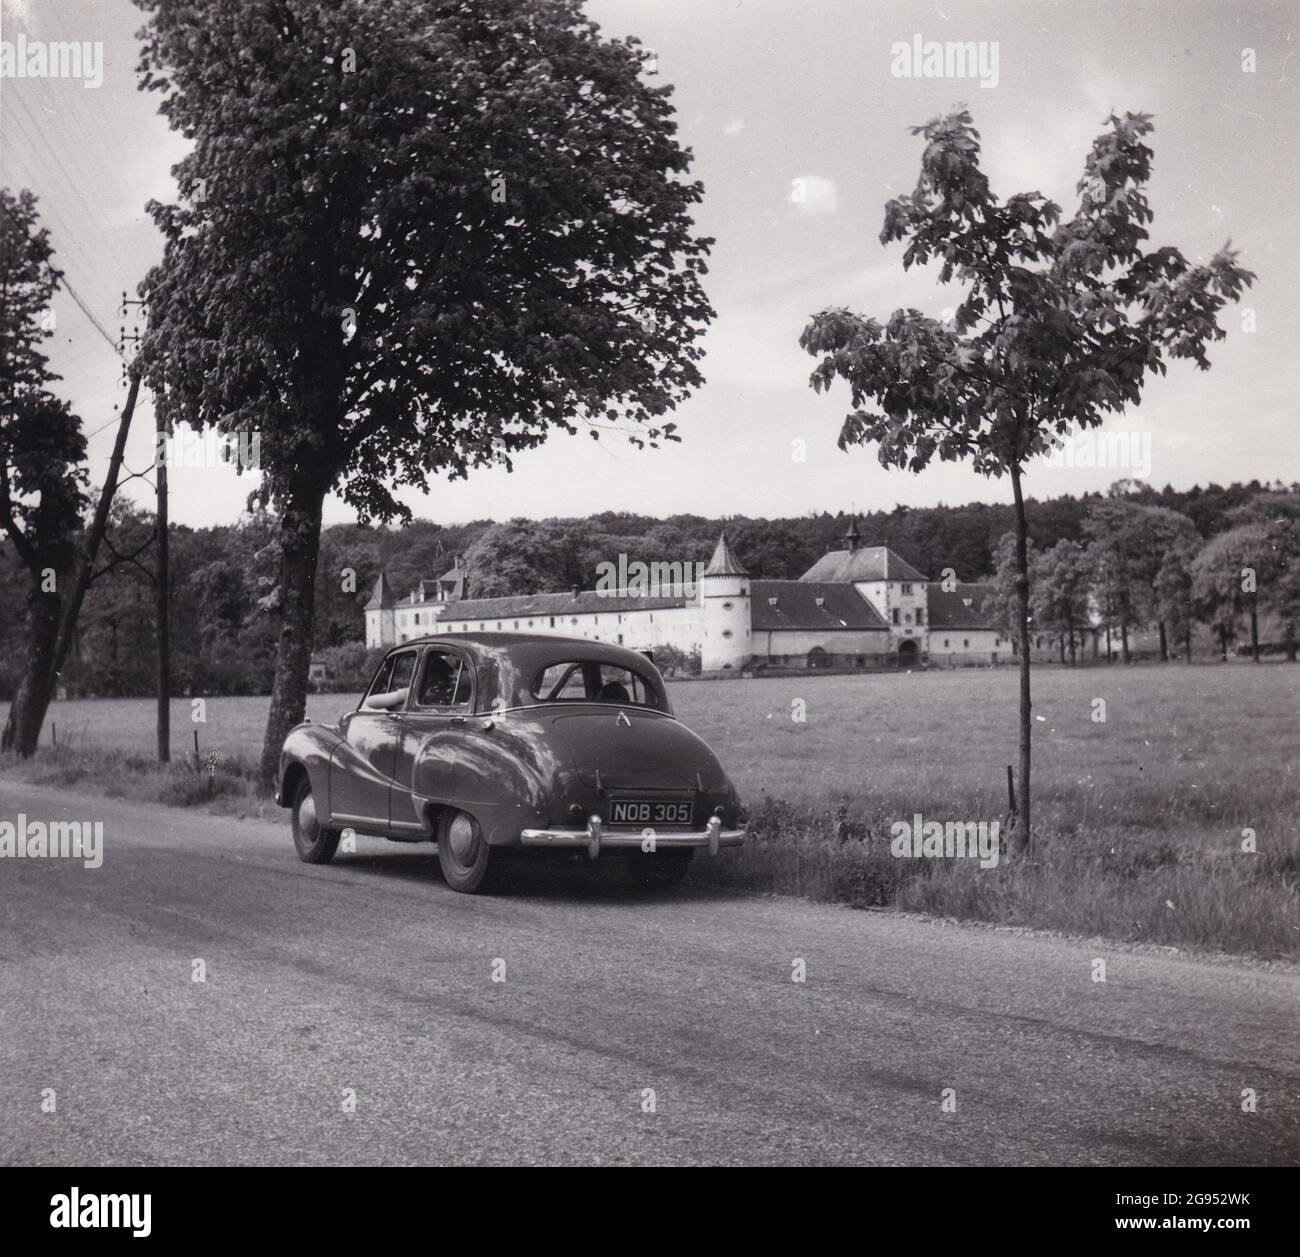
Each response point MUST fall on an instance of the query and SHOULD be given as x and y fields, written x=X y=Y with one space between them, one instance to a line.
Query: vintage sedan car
x=486 y=741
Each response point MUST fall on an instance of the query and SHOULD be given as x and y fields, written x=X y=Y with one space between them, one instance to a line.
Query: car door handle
x=459 y=720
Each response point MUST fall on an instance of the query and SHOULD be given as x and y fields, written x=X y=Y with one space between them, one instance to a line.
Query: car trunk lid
x=632 y=749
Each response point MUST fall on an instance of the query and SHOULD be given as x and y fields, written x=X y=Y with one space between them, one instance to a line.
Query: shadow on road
x=570 y=879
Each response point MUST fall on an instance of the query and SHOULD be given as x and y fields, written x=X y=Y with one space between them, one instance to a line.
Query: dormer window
x=907 y=588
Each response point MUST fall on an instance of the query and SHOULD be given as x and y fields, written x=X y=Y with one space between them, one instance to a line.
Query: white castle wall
x=679 y=627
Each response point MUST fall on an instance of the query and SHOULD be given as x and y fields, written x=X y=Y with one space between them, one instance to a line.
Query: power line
x=85 y=309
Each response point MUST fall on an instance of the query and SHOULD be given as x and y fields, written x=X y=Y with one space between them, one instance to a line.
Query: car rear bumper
x=595 y=838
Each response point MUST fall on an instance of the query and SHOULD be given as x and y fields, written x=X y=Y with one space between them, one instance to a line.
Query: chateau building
x=857 y=607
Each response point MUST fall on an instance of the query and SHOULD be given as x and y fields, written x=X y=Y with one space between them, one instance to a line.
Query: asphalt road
x=369 y=976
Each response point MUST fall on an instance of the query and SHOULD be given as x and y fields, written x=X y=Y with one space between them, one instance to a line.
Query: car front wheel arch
x=294 y=773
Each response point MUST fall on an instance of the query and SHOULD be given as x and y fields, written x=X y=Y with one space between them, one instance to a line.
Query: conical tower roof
x=724 y=561
x=382 y=596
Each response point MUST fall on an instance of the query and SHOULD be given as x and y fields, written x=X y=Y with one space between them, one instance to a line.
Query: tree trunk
x=1164 y=644
x=1123 y=639
x=22 y=731
x=1022 y=830
x=1060 y=645
x=1223 y=643
x=1254 y=630
x=300 y=547
x=1288 y=638
x=1073 y=657
x=1187 y=639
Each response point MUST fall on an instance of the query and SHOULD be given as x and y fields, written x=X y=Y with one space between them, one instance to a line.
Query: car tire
x=314 y=843
x=661 y=868
x=463 y=853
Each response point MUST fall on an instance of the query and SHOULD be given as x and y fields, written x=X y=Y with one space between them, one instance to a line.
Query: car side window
x=380 y=684
x=463 y=694
x=403 y=671
x=388 y=690
x=445 y=681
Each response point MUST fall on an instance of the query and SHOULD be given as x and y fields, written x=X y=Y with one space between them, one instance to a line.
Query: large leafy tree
x=419 y=236
x=1251 y=568
x=1279 y=516
x=1227 y=577
x=1062 y=582
x=528 y=557
x=1127 y=542
x=1060 y=324
x=42 y=477
x=1175 y=600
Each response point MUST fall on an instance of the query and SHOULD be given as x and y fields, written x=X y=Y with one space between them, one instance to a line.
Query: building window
x=907 y=619
x=516 y=624
x=907 y=589
x=552 y=621
x=726 y=632
x=945 y=643
x=920 y=615
x=965 y=641
x=726 y=606
x=895 y=615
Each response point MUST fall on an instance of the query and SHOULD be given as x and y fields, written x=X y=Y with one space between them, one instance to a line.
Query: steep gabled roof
x=868 y=563
x=453 y=580
x=963 y=607
x=724 y=561
x=813 y=605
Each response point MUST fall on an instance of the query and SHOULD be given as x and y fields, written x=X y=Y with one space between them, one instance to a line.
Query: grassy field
x=1138 y=817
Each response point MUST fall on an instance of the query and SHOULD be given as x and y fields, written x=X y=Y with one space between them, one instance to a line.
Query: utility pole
x=164 y=586
x=162 y=583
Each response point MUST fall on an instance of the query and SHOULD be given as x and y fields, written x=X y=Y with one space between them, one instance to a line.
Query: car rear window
x=589 y=681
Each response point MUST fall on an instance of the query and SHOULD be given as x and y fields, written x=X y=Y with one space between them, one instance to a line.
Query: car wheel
x=463 y=853
x=661 y=868
x=315 y=844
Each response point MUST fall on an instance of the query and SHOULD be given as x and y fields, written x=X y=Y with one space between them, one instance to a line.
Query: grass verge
x=1162 y=870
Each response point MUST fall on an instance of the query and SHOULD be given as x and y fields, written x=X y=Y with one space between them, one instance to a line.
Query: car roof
x=529 y=644
x=507 y=663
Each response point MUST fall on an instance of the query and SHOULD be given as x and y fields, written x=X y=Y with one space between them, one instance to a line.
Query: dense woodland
x=224 y=578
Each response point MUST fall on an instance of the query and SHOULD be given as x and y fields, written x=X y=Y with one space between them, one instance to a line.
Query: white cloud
x=813 y=195
x=734 y=127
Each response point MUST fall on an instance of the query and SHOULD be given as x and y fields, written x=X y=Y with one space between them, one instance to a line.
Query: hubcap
x=307 y=818
x=461 y=838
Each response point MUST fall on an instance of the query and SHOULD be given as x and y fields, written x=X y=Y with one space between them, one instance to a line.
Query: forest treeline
x=224 y=578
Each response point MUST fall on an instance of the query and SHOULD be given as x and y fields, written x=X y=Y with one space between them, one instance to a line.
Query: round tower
x=724 y=598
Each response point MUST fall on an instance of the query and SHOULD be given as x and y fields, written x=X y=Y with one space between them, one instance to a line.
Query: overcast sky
x=774 y=96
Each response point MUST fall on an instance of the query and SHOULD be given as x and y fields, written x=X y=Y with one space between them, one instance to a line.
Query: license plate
x=648 y=812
